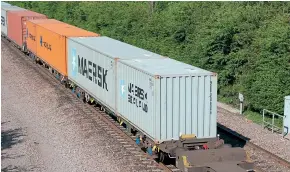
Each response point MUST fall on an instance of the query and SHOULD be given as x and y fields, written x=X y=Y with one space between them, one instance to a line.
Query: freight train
x=171 y=106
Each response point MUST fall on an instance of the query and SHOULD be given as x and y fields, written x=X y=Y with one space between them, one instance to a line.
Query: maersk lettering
x=93 y=72
x=90 y=70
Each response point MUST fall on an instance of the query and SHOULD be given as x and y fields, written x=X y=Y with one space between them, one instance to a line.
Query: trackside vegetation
x=246 y=43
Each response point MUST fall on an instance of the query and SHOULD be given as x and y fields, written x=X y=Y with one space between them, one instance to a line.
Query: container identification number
x=137 y=96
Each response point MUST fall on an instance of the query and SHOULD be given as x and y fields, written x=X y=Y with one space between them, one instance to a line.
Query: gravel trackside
x=271 y=142
x=44 y=131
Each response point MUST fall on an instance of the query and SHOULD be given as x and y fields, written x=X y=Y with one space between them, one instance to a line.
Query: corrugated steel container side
x=95 y=56
x=287 y=115
x=51 y=48
x=52 y=43
x=164 y=102
x=17 y=24
x=93 y=71
x=4 y=20
x=32 y=35
x=137 y=98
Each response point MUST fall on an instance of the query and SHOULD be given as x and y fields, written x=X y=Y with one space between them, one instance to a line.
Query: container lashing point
x=119 y=120
x=156 y=147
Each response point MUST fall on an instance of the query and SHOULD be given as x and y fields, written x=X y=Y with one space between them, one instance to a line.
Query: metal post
x=241 y=98
x=273 y=123
x=263 y=117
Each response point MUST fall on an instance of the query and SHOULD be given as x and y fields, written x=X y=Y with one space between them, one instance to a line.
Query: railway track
x=100 y=118
x=264 y=160
x=270 y=164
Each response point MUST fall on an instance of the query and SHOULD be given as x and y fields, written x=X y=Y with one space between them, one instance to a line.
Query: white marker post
x=241 y=97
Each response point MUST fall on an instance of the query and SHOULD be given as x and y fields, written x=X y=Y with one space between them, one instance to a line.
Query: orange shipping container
x=51 y=42
x=31 y=33
x=17 y=24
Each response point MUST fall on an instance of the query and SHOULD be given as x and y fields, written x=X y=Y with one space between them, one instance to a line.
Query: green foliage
x=246 y=43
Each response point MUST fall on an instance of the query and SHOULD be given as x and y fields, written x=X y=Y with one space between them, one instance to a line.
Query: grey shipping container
x=286 y=121
x=5 y=4
x=91 y=65
x=4 y=21
x=165 y=98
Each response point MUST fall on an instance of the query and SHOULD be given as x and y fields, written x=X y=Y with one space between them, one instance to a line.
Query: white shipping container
x=165 y=98
x=5 y=4
x=286 y=120
x=91 y=65
x=4 y=20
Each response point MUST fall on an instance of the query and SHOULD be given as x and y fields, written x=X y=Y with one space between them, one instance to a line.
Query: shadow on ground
x=7 y=156
x=12 y=168
x=10 y=138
